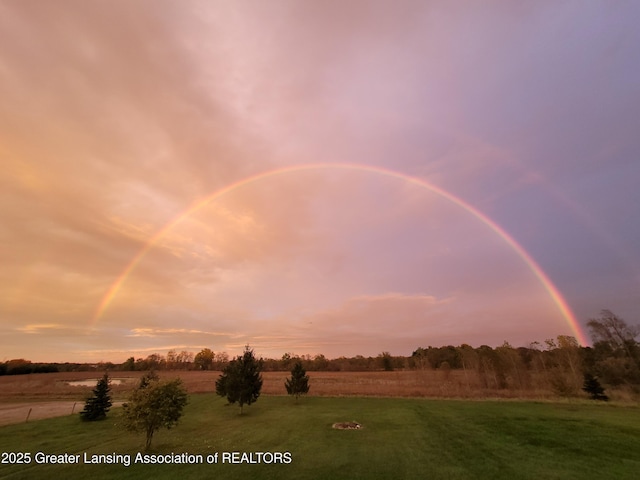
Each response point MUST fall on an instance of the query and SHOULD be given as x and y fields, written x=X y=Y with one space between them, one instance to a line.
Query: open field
x=401 y=438
x=49 y=394
x=411 y=383
x=396 y=384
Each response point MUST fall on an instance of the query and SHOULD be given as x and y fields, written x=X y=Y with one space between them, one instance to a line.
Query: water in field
x=93 y=382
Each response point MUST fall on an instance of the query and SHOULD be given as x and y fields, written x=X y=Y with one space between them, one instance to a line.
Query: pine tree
x=97 y=406
x=241 y=380
x=298 y=384
x=593 y=388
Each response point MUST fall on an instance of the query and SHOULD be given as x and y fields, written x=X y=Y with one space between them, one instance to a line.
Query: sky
x=337 y=178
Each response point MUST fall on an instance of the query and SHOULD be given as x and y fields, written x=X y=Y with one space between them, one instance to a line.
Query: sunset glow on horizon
x=314 y=178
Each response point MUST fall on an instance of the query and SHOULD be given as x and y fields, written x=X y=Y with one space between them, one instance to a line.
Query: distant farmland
x=49 y=394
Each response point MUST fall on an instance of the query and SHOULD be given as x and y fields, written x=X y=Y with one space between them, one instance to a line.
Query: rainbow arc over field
x=548 y=285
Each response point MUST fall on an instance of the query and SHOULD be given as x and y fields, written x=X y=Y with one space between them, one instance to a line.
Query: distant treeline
x=559 y=364
x=20 y=366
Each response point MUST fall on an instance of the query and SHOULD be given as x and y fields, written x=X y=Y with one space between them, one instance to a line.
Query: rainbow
x=548 y=285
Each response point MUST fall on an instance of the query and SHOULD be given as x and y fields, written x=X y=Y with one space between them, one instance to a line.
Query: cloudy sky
x=314 y=177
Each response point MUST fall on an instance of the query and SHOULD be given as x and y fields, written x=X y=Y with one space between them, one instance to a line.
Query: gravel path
x=18 y=412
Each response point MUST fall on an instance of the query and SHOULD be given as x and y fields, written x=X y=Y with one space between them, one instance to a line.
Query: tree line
x=559 y=363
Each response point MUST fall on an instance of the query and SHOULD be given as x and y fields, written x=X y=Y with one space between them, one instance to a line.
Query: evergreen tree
x=298 y=384
x=241 y=380
x=221 y=382
x=97 y=405
x=593 y=388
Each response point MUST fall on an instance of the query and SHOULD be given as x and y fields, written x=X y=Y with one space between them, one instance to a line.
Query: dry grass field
x=49 y=394
x=413 y=383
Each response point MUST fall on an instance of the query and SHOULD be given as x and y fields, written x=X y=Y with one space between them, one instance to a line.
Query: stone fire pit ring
x=347 y=426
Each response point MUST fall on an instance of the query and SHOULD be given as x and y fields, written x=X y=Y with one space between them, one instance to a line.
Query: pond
x=93 y=382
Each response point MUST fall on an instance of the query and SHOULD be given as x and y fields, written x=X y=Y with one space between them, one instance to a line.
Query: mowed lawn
x=401 y=438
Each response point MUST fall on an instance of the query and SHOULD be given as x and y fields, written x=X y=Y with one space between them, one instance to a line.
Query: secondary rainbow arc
x=548 y=285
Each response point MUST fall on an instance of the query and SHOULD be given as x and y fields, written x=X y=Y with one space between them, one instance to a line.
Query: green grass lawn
x=401 y=438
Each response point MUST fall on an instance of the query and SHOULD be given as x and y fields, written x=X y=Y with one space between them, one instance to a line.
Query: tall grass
x=405 y=383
